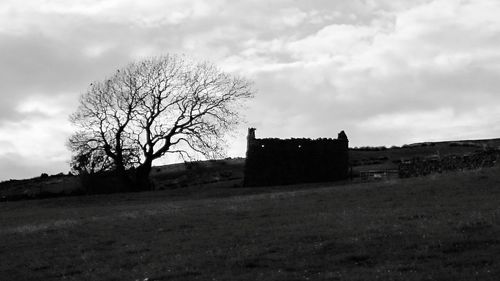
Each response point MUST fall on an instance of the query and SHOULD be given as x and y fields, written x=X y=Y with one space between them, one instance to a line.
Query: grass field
x=441 y=227
x=230 y=172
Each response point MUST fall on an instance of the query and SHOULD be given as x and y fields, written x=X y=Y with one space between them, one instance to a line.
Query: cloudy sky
x=387 y=72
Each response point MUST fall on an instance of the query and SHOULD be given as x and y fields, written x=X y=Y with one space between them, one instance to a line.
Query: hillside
x=440 y=227
x=215 y=174
x=388 y=158
x=186 y=176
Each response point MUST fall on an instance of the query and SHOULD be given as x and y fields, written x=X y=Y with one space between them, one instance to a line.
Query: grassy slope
x=229 y=172
x=444 y=227
x=416 y=150
x=222 y=173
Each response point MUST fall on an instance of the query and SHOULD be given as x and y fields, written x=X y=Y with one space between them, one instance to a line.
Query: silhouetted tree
x=162 y=105
x=88 y=156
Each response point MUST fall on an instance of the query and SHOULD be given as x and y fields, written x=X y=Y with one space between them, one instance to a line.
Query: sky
x=387 y=72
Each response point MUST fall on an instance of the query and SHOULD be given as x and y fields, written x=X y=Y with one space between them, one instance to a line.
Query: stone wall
x=422 y=167
x=272 y=161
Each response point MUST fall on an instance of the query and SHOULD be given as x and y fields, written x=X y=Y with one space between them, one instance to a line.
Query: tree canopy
x=166 y=104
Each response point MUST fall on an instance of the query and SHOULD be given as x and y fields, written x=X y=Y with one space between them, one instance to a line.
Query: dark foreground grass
x=443 y=227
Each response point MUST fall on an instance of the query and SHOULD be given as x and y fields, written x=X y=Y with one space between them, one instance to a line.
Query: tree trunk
x=124 y=179
x=142 y=180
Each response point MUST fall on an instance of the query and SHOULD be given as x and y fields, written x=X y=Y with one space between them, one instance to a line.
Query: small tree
x=89 y=157
x=153 y=107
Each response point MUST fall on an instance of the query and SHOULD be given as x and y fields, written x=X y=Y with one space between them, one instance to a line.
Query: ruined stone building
x=272 y=161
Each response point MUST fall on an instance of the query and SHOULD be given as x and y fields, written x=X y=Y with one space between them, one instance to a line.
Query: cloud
x=14 y=166
x=388 y=72
x=422 y=59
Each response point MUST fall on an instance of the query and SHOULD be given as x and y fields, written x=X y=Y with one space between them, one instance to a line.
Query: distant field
x=229 y=172
x=440 y=227
x=388 y=158
x=220 y=173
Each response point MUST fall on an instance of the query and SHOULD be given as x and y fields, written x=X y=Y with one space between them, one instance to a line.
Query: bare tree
x=157 y=106
x=88 y=157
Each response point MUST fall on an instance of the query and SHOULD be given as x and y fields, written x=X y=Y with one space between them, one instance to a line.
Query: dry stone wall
x=421 y=166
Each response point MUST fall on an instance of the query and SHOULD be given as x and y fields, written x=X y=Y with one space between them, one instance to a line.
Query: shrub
x=104 y=182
